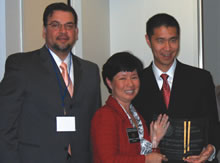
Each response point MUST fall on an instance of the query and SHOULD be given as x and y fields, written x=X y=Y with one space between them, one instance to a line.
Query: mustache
x=62 y=36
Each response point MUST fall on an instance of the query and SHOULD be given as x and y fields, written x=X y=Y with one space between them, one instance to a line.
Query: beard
x=59 y=48
x=62 y=47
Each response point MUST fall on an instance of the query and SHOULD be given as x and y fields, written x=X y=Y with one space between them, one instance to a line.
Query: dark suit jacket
x=192 y=96
x=217 y=91
x=109 y=136
x=30 y=100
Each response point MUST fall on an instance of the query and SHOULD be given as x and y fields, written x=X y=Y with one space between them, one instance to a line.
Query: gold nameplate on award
x=187 y=125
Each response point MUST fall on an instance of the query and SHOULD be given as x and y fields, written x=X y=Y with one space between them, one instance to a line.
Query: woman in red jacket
x=119 y=134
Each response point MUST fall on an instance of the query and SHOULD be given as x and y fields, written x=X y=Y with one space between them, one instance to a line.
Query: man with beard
x=48 y=97
x=185 y=93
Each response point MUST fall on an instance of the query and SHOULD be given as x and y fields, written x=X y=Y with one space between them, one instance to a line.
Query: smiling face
x=124 y=86
x=60 y=39
x=164 y=44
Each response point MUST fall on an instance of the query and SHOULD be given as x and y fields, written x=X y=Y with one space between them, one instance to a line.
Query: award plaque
x=184 y=137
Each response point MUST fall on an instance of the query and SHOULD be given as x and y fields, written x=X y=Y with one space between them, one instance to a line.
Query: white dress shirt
x=67 y=61
x=157 y=72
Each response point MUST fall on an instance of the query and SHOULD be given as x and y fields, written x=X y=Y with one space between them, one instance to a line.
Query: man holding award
x=185 y=93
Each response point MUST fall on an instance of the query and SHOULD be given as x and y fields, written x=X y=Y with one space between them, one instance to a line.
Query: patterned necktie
x=165 y=89
x=66 y=78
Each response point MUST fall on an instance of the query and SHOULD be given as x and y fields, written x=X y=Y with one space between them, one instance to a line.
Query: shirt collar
x=58 y=60
x=157 y=72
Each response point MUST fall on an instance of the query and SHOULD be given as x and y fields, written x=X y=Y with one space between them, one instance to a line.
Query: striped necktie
x=66 y=78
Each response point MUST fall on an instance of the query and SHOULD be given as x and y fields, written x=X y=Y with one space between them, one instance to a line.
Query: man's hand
x=204 y=155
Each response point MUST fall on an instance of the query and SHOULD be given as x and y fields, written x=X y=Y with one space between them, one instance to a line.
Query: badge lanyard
x=131 y=121
x=63 y=92
x=146 y=146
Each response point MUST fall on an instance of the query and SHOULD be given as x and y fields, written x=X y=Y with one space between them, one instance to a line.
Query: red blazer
x=109 y=136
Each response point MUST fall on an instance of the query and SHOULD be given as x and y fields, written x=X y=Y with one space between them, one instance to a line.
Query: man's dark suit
x=30 y=100
x=192 y=96
x=217 y=91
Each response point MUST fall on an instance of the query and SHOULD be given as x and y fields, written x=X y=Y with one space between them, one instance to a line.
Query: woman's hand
x=158 y=129
x=155 y=158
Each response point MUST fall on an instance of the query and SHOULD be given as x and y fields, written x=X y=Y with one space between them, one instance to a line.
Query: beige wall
x=13 y=26
x=96 y=34
x=128 y=26
x=33 y=23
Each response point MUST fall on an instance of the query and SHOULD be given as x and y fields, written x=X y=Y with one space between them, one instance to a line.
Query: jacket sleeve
x=11 y=98
x=98 y=95
x=210 y=105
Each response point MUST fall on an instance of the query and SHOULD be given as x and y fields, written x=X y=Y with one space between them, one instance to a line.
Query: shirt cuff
x=212 y=157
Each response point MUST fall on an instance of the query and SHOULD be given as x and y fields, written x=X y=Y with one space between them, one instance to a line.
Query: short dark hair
x=61 y=7
x=159 y=20
x=122 y=61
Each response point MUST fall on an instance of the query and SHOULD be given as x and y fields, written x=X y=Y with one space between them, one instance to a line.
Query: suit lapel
x=54 y=75
x=48 y=75
x=176 y=86
x=46 y=60
x=153 y=80
x=50 y=65
x=77 y=74
x=112 y=102
x=155 y=89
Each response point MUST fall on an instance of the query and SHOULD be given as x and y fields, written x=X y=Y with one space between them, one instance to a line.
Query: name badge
x=133 y=136
x=65 y=124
